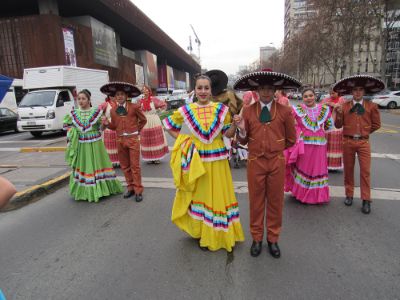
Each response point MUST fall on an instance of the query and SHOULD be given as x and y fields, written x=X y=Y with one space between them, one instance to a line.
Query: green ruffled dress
x=92 y=174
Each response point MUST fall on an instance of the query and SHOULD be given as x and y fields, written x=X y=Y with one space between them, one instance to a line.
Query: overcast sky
x=231 y=31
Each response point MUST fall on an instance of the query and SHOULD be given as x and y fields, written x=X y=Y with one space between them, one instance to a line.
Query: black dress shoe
x=138 y=197
x=274 y=250
x=129 y=194
x=366 y=207
x=348 y=201
x=255 y=249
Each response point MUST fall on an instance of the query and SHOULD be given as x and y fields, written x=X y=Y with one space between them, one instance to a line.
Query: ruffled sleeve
x=174 y=122
x=158 y=104
x=67 y=122
x=227 y=123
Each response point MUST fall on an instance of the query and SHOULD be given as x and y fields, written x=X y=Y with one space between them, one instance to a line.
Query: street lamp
x=359 y=66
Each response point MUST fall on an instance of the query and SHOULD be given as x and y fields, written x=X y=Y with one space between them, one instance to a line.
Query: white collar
x=267 y=105
x=361 y=102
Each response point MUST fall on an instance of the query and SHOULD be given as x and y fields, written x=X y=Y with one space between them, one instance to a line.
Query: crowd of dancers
x=287 y=148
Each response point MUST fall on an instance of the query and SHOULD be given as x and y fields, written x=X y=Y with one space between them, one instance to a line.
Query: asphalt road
x=58 y=248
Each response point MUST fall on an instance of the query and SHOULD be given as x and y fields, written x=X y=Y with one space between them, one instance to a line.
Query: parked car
x=321 y=96
x=8 y=120
x=350 y=97
x=388 y=99
x=176 y=99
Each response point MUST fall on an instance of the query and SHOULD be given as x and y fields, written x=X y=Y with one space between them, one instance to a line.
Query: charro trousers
x=363 y=150
x=129 y=158
x=266 y=177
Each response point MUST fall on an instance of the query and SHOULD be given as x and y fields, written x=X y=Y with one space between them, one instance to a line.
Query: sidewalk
x=35 y=171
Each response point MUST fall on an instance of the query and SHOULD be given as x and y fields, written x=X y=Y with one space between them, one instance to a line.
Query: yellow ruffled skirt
x=206 y=208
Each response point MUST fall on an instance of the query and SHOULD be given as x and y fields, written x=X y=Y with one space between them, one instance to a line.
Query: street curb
x=42 y=149
x=35 y=192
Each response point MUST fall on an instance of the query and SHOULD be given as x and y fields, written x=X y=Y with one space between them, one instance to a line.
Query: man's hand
x=239 y=122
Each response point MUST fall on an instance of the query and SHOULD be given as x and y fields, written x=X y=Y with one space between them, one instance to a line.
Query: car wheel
x=392 y=105
x=36 y=133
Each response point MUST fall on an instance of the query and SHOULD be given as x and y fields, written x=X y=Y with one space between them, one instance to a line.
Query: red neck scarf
x=146 y=103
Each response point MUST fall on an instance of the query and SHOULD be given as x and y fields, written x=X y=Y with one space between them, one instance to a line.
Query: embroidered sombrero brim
x=219 y=81
x=112 y=87
x=370 y=84
x=254 y=80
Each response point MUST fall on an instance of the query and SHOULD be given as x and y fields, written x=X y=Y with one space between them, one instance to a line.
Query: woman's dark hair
x=86 y=92
x=201 y=76
x=305 y=89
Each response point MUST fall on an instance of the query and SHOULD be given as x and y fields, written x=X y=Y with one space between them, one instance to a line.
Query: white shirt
x=355 y=102
x=267 y=105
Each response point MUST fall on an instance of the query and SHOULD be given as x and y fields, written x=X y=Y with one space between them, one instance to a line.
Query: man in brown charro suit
x=359 y=118
x=268 y=128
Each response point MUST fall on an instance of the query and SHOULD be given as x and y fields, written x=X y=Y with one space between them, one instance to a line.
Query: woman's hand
x=104 y=121
x=338 y=108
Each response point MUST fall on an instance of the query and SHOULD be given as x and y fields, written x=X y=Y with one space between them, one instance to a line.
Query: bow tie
x=121 y=111
x=358 y=109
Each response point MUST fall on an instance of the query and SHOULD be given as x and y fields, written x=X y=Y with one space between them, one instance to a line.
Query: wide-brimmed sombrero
x=219 y=81
x=112 y=87
x=254 y=80
x=370 y=84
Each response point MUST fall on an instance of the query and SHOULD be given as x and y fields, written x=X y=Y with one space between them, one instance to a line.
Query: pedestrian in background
x=308 y=180
x=280 y=97
x=220 y=93
x=359 y=118
x=268 y=128
x=7 y=191
x=205 y=204
x=92 y=174
x=334 y=136
x=127 y=119
x=109 y=136
x=153 y=143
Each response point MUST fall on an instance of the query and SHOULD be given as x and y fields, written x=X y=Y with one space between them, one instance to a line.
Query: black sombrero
x=370 y=84
x=112 y=87
x=254 y=80
x=219 y=81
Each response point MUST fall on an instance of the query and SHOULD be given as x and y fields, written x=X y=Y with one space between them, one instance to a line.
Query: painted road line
x=10 y=149
x=390 y=125
x=385 y=155
x=42 y=149
x=241 y=188
x=386 y=130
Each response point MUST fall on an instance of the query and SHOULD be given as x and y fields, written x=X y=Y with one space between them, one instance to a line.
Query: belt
x=129 y=134
x=356 y=138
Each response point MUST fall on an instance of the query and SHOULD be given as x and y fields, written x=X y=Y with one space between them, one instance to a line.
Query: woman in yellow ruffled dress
x=205 y=204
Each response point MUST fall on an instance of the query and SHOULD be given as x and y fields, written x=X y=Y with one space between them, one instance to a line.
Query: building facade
x=100 y=34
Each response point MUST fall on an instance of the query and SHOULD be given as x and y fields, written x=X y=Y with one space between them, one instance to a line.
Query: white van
x=13 y=96
x=50 y=95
